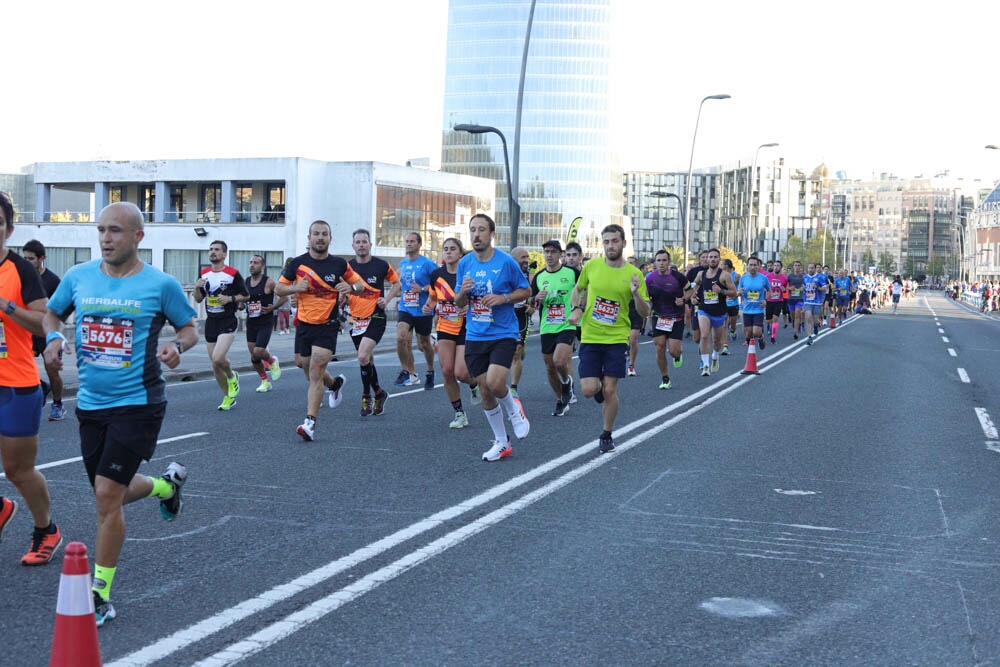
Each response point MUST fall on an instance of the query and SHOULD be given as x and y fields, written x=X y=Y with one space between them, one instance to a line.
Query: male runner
x=492 y=282
x=814 y=287
x=573 y=258
x=413 y=287
x=754 y=288
x=22 y=305
x=842 y=286
x=732 y=304
x=34 y=252
x=318 y=280
x=121 y=305
x=897 y=290
x=710 y=285
x=368 y=318
x=795 y=296
x=668 y=289
x=553 y=289
x=692 y=310
x=523 y=310
x=221 y=287
x=610 y=283
x=775 y=299
x=260 y=307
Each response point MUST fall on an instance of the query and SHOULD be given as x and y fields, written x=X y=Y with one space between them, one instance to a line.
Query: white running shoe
x=715 y=365
x=498 y=451
x=335 y=396
x=519 y=421
x=265 y=385
x=307 y=430
x=413 y=381
x=274 y=372
x=476 y=398
x=460 y=421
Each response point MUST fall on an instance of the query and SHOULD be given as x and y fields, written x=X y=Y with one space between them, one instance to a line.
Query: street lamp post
x=514 y=208
x=680 y=204
x=687 y=185
x=750 y=188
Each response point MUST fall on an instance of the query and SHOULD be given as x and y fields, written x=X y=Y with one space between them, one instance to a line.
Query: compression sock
x=103 y=576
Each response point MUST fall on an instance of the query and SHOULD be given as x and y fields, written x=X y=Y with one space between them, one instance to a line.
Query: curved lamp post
x=750 y=189
x=687 y=186
x=514 y=208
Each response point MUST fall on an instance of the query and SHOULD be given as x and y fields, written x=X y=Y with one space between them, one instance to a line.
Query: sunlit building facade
x=566 y=166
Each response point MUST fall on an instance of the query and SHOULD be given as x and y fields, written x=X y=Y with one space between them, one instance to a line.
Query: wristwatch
x=10 y=307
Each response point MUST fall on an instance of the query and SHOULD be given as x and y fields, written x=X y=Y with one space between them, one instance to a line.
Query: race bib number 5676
x=106 y=341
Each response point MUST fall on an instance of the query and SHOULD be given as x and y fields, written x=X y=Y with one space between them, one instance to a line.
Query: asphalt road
x=839 y=508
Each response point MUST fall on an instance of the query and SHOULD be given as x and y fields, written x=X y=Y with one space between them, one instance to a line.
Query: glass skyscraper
x=567 y=168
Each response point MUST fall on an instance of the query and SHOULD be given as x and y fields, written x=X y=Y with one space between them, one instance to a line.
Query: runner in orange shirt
x=22 y=306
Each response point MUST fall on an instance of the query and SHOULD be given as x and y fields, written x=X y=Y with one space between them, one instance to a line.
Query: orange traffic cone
x=751 y=365
x=833 y=320
x=74 y=641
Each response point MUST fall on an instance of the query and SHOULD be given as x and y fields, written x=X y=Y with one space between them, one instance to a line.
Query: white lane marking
x=952 y=352
x=75 y=459
x=184 y=637
x=963 y=376
x=945 y=339
x=795 y=492
x=993 y=446
x=940 y=330
x=988 y=428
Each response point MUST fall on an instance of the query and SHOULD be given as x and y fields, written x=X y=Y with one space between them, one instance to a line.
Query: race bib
x=555 y=313
x=753 y=295
x=711 y=297
x=796 y=291
x=106 y=341
x=665 y=323
x=810 y=294
x=3 y=342
x=447 y=310
x=212 y=304
x=411 y=299
x=776 y=293
x=479 y=311
x=359 y=325
x=253 y=309
x=605 y=311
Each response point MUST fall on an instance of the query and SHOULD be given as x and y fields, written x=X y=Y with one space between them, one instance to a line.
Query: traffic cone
x=833 y=320
x=74 y=641
x=751 y=366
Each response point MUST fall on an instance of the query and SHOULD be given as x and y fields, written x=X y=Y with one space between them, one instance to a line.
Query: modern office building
x=260 y=205
x=566 y=168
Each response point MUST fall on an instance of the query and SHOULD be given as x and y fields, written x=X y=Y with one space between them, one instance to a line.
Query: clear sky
x=867 y=87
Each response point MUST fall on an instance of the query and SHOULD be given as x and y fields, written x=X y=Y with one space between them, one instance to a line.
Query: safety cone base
x=751 y=366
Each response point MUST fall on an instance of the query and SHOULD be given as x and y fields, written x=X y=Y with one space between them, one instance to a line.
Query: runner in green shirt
x=553 y=290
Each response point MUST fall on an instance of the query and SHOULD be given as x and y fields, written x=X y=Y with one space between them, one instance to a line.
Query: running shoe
x=335 y=394
x=631 y=371
x=274 y=372
x=57 y=412
x=103 y=610
x=678 y=361
x=476 y=398
x=8 y=510
x=175 y=475
x=607 y=443
x=760 y=343
x=264 y=387
x=665 y=384
x=773 y=341
x=732 y=335
x=572 y=392
x=566 y=393
x=412 y=381
x=429 y=381
x=402 y=378
x=560 y=410
x=381 y=396
x=705 y=371
x=366 y=406
x=460 y=420
x=234 y=385
x=715 y=365
x=519 y=421
x=809 y=341
x=227 y=403
x=795 y=336
x=725 y=351
x=307 y=429
x=599 y=396
x=498 y=451
x=43 y=546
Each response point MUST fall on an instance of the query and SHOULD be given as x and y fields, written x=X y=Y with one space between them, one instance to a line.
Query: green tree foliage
x=887 y=263
x=867 y=259
x=676 y=256
x=729 y=253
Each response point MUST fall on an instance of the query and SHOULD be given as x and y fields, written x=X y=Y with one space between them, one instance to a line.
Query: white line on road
x=940 y=330
x=62 y=462
x=988 y=428
x=952 y=352
x=184 y=637
x=963 y=376
x=945 y=339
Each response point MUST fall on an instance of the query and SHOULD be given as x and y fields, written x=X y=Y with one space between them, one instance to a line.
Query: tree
x=910 y=268
x=794 y=250
x=729 y=253
x=935 y=267
x=887 y=263
x=867 y=259
x=537 y=260
x=676 y=256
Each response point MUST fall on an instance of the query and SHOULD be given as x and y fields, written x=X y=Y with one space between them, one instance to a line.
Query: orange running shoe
x=8 y=510
x=43 y=547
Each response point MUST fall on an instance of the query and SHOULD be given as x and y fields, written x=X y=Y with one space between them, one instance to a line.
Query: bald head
x=521 y=256
x=124 y=213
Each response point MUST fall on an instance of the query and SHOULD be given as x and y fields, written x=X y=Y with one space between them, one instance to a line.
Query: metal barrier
x=974 y=299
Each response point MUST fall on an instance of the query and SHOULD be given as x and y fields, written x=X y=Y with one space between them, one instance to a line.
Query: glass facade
x=567 y=168
x=434 y=215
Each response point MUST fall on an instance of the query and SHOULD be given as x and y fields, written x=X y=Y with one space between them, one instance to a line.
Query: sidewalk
x=195 y=364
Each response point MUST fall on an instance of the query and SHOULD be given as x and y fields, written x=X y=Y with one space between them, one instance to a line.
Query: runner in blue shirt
x=753 y=288
x=491 y=283
x=413 y=289
x=814 y=287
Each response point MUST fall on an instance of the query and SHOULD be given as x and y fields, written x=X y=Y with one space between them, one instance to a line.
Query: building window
x=211 y=202
x=61 y=260
x=185 y=265
x=176 y=211
x=244 y=202
x=434 y=215
x=147 y=201
x=116 y=194
x=274 y=203
x=274 y=260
